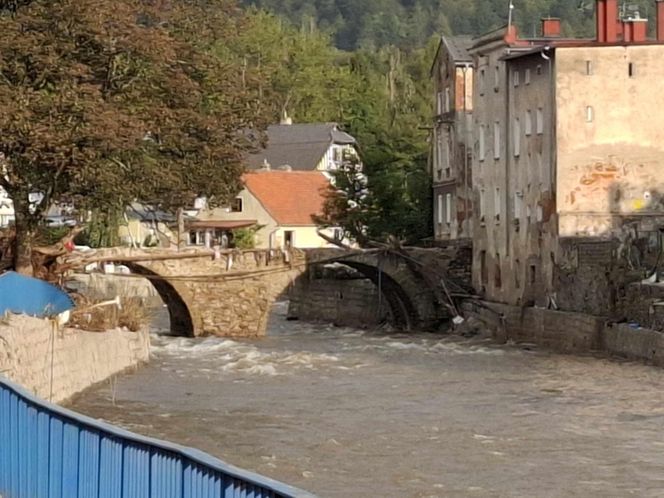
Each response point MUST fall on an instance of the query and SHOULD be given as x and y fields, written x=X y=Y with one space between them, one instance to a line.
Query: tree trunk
x=25 y=236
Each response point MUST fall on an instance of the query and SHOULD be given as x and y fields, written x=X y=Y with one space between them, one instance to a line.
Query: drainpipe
x=466 y=130
x=552 y=133
x=508 y=159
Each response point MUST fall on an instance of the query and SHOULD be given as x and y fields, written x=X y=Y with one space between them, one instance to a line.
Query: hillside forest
x=365 y=64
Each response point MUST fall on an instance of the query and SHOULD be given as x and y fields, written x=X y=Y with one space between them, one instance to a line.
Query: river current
x=350 y=413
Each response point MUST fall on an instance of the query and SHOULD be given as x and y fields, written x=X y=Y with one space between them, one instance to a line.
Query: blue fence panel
x=49 y=452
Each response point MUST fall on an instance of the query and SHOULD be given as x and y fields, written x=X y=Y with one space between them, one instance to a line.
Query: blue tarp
x=30 y=296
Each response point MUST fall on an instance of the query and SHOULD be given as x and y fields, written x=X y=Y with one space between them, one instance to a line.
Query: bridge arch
x=181 y=320
x=414 y=301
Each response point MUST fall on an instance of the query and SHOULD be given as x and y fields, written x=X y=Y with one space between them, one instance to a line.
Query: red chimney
x=660 y=20
x=608 y=24
x=600 y=14
x=639 y=30
x=628 y=31
x=611 y=21
x=551 y=27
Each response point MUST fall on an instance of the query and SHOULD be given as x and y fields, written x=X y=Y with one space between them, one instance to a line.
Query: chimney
x=639 y=29
x=608 y=24
x=628 y=31
x=551 y=27
x=511 y=35
x=660 y=20
x=600 y=14
x=611 y=21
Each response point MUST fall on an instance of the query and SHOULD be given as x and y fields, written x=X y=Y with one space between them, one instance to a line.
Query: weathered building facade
x=567 y=160
x=452 y=72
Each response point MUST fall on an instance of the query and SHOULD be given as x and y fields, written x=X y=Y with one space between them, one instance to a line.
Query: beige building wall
x=452 y=165
x=252 y=209
x=610 y=138
x=490 y=244
x=271 y=234
x=530 y=221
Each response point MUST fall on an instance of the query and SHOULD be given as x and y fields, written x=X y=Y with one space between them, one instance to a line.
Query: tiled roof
x=290 y=197
x=300 y=146
x=458 y=46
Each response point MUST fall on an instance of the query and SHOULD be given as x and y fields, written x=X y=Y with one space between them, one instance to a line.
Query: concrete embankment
x=569 y=332
x=57 y=364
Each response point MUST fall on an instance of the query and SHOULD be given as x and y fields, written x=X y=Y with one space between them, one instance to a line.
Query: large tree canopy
x=105 y=102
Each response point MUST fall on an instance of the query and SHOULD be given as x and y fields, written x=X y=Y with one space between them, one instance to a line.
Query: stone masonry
x=230 y=293
x=57 y=364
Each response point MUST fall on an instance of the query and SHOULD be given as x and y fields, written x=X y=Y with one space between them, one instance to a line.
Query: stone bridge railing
x=230 y=292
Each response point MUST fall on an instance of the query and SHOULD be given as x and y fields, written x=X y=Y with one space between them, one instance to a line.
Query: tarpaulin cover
x=23 y=295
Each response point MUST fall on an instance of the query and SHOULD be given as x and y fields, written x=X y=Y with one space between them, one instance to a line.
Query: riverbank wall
x=568 y=332
x=57 y=364
x=339 y=295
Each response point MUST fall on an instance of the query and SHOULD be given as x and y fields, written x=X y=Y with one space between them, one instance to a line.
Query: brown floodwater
x=349 y=413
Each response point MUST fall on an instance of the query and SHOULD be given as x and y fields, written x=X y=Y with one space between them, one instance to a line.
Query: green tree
x=106 y=102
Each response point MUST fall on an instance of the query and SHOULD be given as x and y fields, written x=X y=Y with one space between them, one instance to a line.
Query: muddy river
x=351 y=413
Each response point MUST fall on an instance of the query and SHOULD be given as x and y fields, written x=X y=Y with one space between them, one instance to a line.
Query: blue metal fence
x=49 y=452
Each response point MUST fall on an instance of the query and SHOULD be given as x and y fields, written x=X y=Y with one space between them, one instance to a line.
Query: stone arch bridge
x=229 y=293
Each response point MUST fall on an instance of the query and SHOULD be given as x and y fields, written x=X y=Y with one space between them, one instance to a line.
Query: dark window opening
x=289 y=238
x=237 y=206
x=630 y=69
x=533 y=274
x=483 y=268
x=517 y=274
x=497 y=277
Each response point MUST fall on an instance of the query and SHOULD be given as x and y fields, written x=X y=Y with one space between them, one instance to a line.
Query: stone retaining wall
x=30 y=350
x=569 y=332
x=343 y=302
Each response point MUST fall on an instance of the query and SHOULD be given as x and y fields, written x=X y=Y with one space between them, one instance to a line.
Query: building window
x=484 y=274
x=496 y=140
x=448 y=208
x=289 y=239
x=236 y=206
x=518 y=205
x=497 y=274
x=517 y=137
x=482 y=81
x=539 y=69
x=439 y=201
x=440 y=103
x=496 y=203
x=482 y=204
x=529 y=123
x=590 y=114
x=527 y=77
x=447 y=100
x=589 y=68
x=540 y=121
x=496 y=78
x=517 y=274
x=533 y=274
x=631 y=70
x=482 y=142
x=515 y=78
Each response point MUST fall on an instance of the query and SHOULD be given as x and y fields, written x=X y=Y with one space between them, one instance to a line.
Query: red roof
x=290 y=197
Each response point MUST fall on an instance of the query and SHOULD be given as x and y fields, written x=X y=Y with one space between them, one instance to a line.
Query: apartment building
x=568 y=145
x=452 y=72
